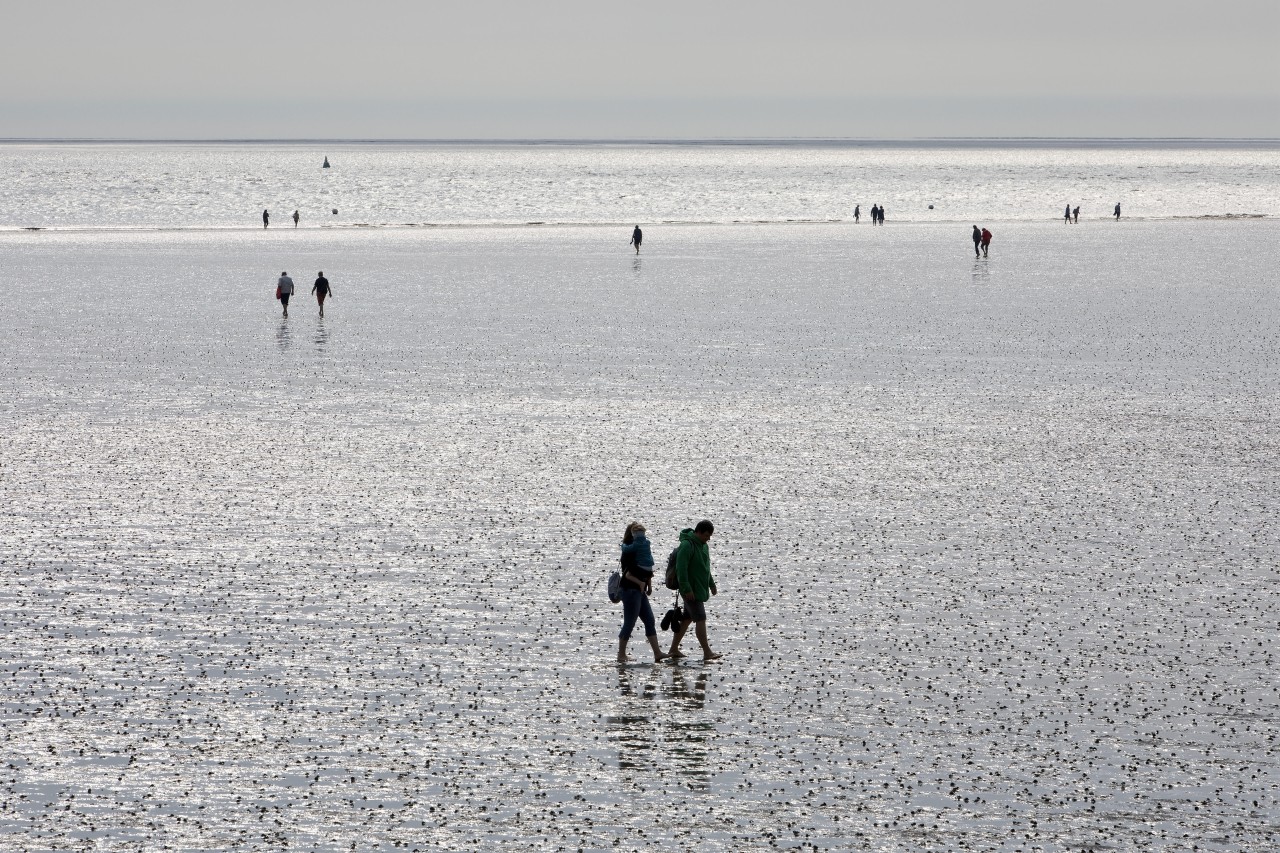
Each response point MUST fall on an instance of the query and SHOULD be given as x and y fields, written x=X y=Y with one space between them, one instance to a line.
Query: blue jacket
x=639 y=549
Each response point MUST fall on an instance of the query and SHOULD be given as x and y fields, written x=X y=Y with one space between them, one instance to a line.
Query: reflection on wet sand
x=659 y=729
x=322 y=335
x=981 y=272
x=283 y=338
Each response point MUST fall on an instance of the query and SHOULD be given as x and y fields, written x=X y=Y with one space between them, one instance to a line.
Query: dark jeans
x=636 y=603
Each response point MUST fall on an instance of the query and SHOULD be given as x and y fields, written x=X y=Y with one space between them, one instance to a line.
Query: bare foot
x=660 y=657
x=623 y=659
x=712 y=656
x=676 y=653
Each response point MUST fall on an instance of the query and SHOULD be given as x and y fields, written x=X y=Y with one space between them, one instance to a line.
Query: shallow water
x=996 y=540
x=136 y=185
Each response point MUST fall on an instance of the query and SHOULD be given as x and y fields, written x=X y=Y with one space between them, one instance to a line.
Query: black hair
x=627 y=538
x=705 y=526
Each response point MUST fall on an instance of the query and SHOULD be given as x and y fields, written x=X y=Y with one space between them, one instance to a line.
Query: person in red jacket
x=986 y=241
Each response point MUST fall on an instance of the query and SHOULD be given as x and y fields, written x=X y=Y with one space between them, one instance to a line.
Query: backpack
x=671 y=581
x=615 y=587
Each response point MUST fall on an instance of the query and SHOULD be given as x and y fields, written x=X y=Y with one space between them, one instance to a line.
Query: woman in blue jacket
x=637 y=583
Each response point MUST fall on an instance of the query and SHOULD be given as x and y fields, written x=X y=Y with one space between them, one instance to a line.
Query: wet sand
x=996 y=540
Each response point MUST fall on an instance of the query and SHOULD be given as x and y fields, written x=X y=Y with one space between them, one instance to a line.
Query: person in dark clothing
x=977 y=241
x=266 y=218
x=636 y=237
x=857 y=213
x=321 y=289
x=637 y=583
x=693 y=570
x=295 y=219
x=1117 y=211
x=1066 y=217
x=1075 y=215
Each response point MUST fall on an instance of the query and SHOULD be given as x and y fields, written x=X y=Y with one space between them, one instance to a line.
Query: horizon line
x=640 y=140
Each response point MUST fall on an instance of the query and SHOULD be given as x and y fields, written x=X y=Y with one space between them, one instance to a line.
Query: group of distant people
x=877 y=214
x=1071 y=215
x=692 y=570
x=266 y=218
x=284 y=290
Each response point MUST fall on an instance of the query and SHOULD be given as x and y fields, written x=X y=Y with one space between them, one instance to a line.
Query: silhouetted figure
x=295 y=219
x=693 y=571
x=857 y=213
x=266 y=218
x=1117 y=211
x=881 y=214
x=284 y=289
x=986 y=241
x=326 y=163
x=977 y=240
x=1075 y=215
x=637 y=236
x=637 y=583
x=1066 y=217
x=321 y=289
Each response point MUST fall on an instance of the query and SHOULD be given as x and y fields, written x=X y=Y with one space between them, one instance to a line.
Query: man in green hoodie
x=693 y=570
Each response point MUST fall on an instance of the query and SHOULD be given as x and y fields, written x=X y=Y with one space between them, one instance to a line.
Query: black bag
x=671 y=581
x=615 y=587
x=674 y=617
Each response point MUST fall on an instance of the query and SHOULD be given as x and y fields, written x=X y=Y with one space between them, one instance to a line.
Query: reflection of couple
x=684 y=740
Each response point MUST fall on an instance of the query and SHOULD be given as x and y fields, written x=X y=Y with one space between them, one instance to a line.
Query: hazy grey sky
x=652 y=68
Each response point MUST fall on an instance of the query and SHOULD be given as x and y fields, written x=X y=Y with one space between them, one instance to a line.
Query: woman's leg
x=650 y=630
x=631 y=599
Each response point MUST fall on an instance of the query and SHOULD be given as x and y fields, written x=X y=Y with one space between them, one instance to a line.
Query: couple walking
x=693 y=573
x=284 y=290
x=981 y=241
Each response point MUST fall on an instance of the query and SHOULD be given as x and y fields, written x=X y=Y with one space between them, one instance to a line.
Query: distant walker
x=637 y=236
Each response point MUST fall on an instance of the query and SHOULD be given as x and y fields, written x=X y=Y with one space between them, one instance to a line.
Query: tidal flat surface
x=996 y=540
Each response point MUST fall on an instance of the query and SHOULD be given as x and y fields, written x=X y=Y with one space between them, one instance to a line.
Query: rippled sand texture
x=228 y=185
x=996 y=540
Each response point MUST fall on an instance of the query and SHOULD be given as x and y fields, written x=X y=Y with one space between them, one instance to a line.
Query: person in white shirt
x=284 y=289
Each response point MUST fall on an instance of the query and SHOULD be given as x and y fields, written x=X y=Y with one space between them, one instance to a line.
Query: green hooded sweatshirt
x=693 y=566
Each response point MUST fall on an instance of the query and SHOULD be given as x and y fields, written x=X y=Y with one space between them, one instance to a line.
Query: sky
x=566 y=69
